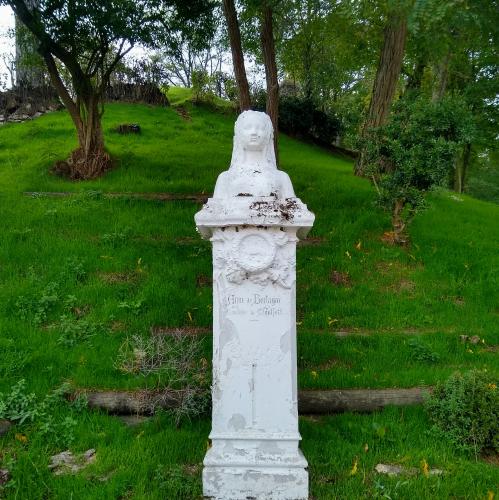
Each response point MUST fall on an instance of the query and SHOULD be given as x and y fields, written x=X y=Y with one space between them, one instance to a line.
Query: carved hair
x=268 y=152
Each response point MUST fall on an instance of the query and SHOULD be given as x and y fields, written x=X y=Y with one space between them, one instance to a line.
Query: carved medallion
x=255 y=252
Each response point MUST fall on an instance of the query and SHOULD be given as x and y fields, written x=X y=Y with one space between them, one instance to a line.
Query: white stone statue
x=253 y=170
x=254 y=222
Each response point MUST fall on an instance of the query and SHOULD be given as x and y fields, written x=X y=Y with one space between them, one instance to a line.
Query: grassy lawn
x=126 y=265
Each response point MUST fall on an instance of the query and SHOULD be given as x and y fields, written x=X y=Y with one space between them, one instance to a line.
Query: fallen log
x=143 y=402
x=194 y=330
x=197 y=197
x=319 y=402
x=322 y=402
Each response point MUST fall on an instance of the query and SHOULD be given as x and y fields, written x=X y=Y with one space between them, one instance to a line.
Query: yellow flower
x=21 y=437
x=492 y=387
x=354 y=468
x=425 y=468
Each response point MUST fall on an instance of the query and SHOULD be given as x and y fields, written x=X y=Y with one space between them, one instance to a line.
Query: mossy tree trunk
x=387 y=76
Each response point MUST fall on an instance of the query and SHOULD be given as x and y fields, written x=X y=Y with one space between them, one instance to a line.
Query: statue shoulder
x=287 y=190
x=220 y=186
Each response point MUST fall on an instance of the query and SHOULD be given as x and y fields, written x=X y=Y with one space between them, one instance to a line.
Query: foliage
x=422 y=352
x=21 y=407
x=416 y=151
x=299 y=117
x=465 y=409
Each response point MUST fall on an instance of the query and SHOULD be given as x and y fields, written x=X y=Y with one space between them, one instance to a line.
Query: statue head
x=253 y=131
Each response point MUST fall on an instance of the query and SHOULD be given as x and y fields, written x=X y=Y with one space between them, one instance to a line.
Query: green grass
x=443 y=286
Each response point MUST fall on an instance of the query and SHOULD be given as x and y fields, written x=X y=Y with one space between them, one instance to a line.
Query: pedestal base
x=252 y=482
x=264 y=469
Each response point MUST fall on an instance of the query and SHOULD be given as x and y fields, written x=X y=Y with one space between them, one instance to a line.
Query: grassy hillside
x=127 y=265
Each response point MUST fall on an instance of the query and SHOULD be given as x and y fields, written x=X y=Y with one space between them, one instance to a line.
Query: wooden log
x=319 y=402
x=322 y=402
x=197 y=197
x=133 y=402
x=201 y=330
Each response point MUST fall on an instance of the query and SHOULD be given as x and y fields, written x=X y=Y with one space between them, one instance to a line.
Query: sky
x=7 y=50
x=6 y=44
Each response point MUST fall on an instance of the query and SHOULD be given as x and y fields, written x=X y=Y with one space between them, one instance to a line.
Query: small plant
x=133 y=306
x=115 y=238
x=421 y=352
x=38 y=308
x=74 y=270
x=74 y=331
x=21 y=407
x=465 y=409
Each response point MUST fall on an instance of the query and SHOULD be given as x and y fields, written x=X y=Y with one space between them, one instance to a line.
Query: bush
x=465 y=409
x=300 y=117
x=415 y=152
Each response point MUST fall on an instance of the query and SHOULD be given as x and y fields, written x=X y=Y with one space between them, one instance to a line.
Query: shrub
x=299 y=116
x=414 y=153
x=465 y=409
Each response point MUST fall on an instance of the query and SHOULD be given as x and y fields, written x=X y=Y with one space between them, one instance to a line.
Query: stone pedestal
x=255 y=438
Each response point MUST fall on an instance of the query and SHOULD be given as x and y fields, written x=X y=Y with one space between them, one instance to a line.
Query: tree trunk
x=398 y=223
x=387 y=75
x=237 y=54
x=269 y=60
x=462 y=164
x=90 y=159
x=441 y=78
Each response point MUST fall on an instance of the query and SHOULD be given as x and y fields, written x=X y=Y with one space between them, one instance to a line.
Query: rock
x=394 y=470
x=464 y=338
x=397 y=470
x=5 y=426
x=67 y=463
x=475 y=339
x=4 y=476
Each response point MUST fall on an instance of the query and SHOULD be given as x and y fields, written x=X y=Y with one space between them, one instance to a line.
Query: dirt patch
x=183 y=113
x=119 y=277
x=189 y=330
x=192 y=469
x=311 y=242
x=203 y=281
x=491 y=457
x=117 y=326
x=331 y=363
x=80 y=311
x=340 y=279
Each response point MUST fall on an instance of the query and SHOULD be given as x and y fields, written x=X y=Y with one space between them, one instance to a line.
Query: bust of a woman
x=253 y=170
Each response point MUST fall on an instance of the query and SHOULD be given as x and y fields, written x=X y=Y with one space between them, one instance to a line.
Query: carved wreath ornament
x=255 y=257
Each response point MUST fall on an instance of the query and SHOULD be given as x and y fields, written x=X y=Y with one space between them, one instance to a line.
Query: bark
x=441 y=78
x=387 y=76
x=461 y=170
x=237 y=54
x=269 y=61
x=146 y=402
x=398 y=223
